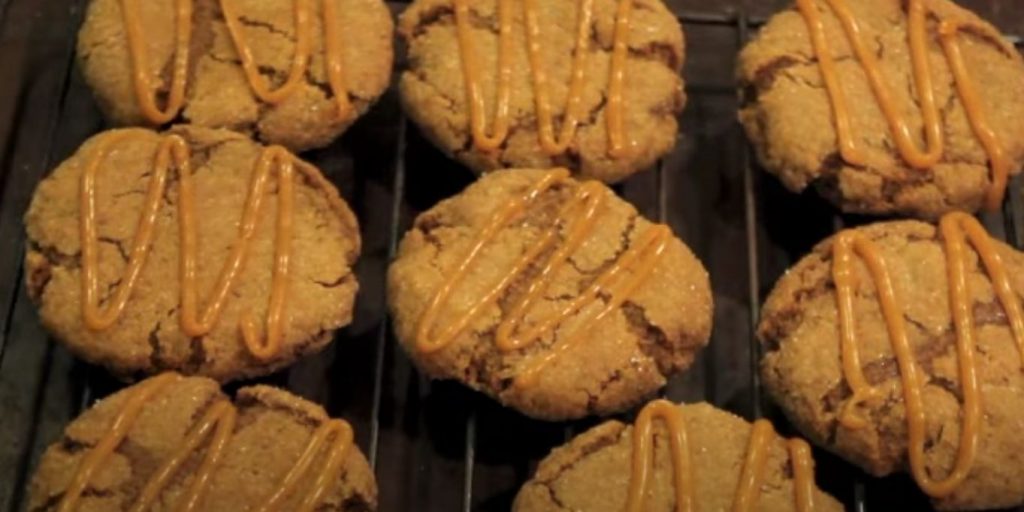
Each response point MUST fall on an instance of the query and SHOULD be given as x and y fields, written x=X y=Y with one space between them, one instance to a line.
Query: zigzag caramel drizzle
x=145 y=81
x=955 y=229
x=579 y=218
x=174 y=148
x=220 y=419
x=549 y=142
x=751 y=476
x=849 y=147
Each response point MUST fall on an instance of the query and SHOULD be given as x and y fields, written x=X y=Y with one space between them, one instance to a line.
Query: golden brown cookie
x=856 y=395
x=171 y=440
x=552 y=295
x=304 y=84
x=613 y=118
x=725 y=461
x=932 y=154
x=293 y=288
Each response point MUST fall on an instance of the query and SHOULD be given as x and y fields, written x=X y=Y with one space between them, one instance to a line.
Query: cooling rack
x=434 y=445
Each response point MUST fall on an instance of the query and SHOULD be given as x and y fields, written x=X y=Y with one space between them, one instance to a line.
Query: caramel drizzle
x=551 y=144
x=115 y=434
x=193 y=324
x=343 y=435
x=219 y=418
x=849 y=147
x=751 y=476
x=955 y=229
x=803 y=473
x=579 y=217
x=145 y=83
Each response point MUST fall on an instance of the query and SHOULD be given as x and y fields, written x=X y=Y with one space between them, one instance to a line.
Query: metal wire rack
x=435 y=446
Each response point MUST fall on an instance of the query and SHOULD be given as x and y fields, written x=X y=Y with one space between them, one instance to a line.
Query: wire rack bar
x=470 y=463
x=729 y=18
x=398 y=182
x=19 y=182
x=742 y=24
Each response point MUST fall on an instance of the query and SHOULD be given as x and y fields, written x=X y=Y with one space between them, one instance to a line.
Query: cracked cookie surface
x=802 y=367
x=789 y=118
x=272 y=429
x=218 y=94
x=618 y=363
x=433 y=89
x=592 y=472
x=148 y=336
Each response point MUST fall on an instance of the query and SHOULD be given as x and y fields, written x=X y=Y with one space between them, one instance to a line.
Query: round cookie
x=435 y=92
x=217 y=92
x=314 y=297
x=593 y=472
x=552 y=316
x=790 y=115
x=803 y=367
x=250 y=445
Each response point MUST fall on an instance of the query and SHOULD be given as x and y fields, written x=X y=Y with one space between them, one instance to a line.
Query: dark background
x=436 y=446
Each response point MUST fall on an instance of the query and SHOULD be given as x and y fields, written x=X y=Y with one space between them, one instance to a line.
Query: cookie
x=173 y=441
x=552 y=295
x=591 y=85
x=195 y=250
x=291 y=72
x=919 y=373
x=722 y=463
x=834 y=100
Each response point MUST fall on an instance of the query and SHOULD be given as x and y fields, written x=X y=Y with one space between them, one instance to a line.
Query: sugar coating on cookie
x=284 y=71
x=161 y=451
x=596 y=470
x=552 y=295
x=241 y=311
x=591 y=85
x=872 y=413
x=818 y=90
